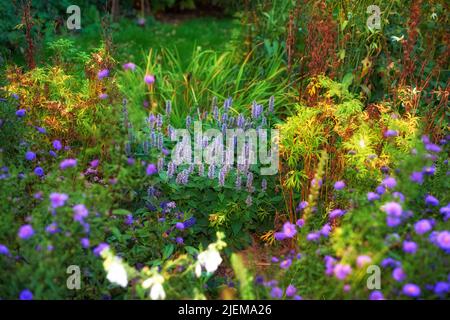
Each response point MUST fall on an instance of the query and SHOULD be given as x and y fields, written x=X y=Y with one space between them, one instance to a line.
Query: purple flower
x=67 y=163
x=393 y=209
x=398 y=274
x=302 y=205
x=98 y=249
x=372 y=196
x=26 y=231
x=443 y=240
x=21 y=113
x=441 y=288
x=179 y=240
x=389 y=182
x=41 y=130
x=276 y=293
x=285 y=264
x=80 y=212
x=432 y=147
x=279 y=236
x=432 y=201
x=129 y=219
x=409 y=247
x=189 y=222
x=103 y=96
x=85 y=243
x=179 y=226
x=313 y=236
x=94 y=163
x=39 y=171
x=57 y=145
x=390 y=133
x=291 y=291
x=151 y=169
x=4 y=249
x=336 y=213
x=376 y=295
x=389 y=262
x=429 y=170
x=411 y=290
x=362 y=260
x=58 y=199
x=416 y=177
x=300 y=223
x=339 y=185
x=26 y=295
x=325 y=231
x=129 y=66
x=380 y=190
x=30 y=155
x=341 y=271
x=103 y=73
x=52 y=228
x=392 y=221
x=149 y=79
x=52 y=153
x=289 y=229
x=423 y=226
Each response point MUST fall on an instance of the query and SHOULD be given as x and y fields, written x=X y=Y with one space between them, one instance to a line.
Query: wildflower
x=209 y=259
x=179 y=240
x=103 y=74
x=156 y=288
x=325 y=231
x=315 y=182
x=279 y=236
x=21 y=113
x=39 y=171
x=313 y=236
x=390 y=133
x=339 y=185
x=372 y=196
x=432 y=201
x=393 y=221
x=52 y=153
x=25 y=232
x=85 y=243
x=362 y=260
x=4 y=249
x=116 y=272
x=249 y=200
x=397 y=39
x=30 y=155
x=179 y=226
x=57 y=145
x=291 y=291
x=103 y=96
x=189 y=222
x=409 y=247
x=99 y=249
x=441 y=288
x=151 y=169
x=80 y=212
x=336 y=213
x=276 y=293
x=52 y=228
x=58 y=199
x=443 y=240
x=380 y=190
x=376 y=295
x=300 y=223
x=398 y=274
x=149 y=79
x=429 y=170
x=26 y=295
x=389 y=182
x=393 y=209
x=67 y=163
x=416 y=177
x=302 y=205
x=423 y=226
x=289 y=229
x=411 y=290
x=341 y=271
x=285 y=264
x=129 y=66
x=432 y=147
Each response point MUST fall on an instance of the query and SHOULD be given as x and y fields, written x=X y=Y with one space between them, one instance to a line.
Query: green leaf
x=122 y=212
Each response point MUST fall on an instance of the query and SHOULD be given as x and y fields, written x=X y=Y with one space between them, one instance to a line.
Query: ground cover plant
x=224 y=150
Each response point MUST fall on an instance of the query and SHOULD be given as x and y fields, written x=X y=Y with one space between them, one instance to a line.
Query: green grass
x=133 y=42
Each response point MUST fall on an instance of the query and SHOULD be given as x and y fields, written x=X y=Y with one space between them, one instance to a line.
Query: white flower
x=116 y=272
x=397 y=39
x=209 y=259
x=434 y=16
x=156 y=289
